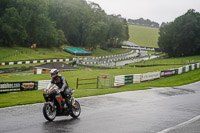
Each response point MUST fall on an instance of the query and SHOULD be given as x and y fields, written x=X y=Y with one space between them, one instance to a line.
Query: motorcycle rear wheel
x=76 y=110
x=48 y=112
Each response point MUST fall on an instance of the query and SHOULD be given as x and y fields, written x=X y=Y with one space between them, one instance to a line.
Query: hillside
x=144 y=36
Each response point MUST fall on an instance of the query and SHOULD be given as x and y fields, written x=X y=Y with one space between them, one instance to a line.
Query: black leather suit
x=63 y=86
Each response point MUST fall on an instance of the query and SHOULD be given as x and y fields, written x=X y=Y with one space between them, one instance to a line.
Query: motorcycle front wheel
x=76 y=110
x=49 y=112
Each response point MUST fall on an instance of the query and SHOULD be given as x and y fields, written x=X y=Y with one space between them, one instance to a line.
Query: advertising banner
x=176 y=71
x=18 y=86
x=27 y=86
x=128 y=79
x=167 y=73
x=150 y=76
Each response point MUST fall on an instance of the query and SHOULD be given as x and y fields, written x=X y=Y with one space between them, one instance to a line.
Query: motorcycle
x=56 y=105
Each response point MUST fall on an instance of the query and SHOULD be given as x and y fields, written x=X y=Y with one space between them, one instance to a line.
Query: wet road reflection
x=59 y=126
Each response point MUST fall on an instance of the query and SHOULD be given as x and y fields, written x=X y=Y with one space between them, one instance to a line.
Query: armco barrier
x=180 y=70
x=187 y=68
x=119 y=80
x=193 y=66
x=198 y=65
x=126 y=79
x=18 y=86
x=137 y=78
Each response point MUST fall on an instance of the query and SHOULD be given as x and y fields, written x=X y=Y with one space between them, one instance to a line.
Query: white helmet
x=54 y=73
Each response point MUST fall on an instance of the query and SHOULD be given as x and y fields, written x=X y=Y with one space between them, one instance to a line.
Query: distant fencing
x=141 y=48
x=18 y=86
x=88 y=81
x=105 y=81
x=121 y=80
x=101 y=81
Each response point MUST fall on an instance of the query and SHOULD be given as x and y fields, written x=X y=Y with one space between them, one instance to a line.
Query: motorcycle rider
x=63 y=86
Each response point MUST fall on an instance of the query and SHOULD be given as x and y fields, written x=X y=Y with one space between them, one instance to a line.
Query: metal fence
x=105 y=81
x=93 y=81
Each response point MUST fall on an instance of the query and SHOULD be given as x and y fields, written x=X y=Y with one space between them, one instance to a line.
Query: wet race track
x=163 y=110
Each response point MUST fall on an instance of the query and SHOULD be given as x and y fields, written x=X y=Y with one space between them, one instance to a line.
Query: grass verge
x=30 y=97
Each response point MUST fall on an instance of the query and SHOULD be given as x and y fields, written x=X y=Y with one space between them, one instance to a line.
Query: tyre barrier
x=105 y=59
x=33 y=61
x=122 y=80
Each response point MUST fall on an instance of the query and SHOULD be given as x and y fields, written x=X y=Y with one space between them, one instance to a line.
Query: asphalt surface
x=158 y=110
x=125 y=62
x=130 y=43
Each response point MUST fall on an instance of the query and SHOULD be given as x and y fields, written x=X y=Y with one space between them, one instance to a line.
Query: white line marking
x=181 y=125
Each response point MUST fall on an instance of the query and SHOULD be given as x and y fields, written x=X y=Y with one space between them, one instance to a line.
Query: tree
x=25 y=22
x=70 y=16
x=5 y=4
x=46 y=34
x=54 y=22
x=181 y=37
x=117 y=30
x=11 y=28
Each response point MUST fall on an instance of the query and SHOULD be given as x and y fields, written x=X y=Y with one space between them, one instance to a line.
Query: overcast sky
x=155 y=10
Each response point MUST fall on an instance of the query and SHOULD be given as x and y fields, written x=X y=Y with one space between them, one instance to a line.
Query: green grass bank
x=144 y=36
x=22 y=53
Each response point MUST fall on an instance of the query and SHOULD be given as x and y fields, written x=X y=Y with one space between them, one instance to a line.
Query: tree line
x=51 y=23
x=182 y=36
x=143 y=22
